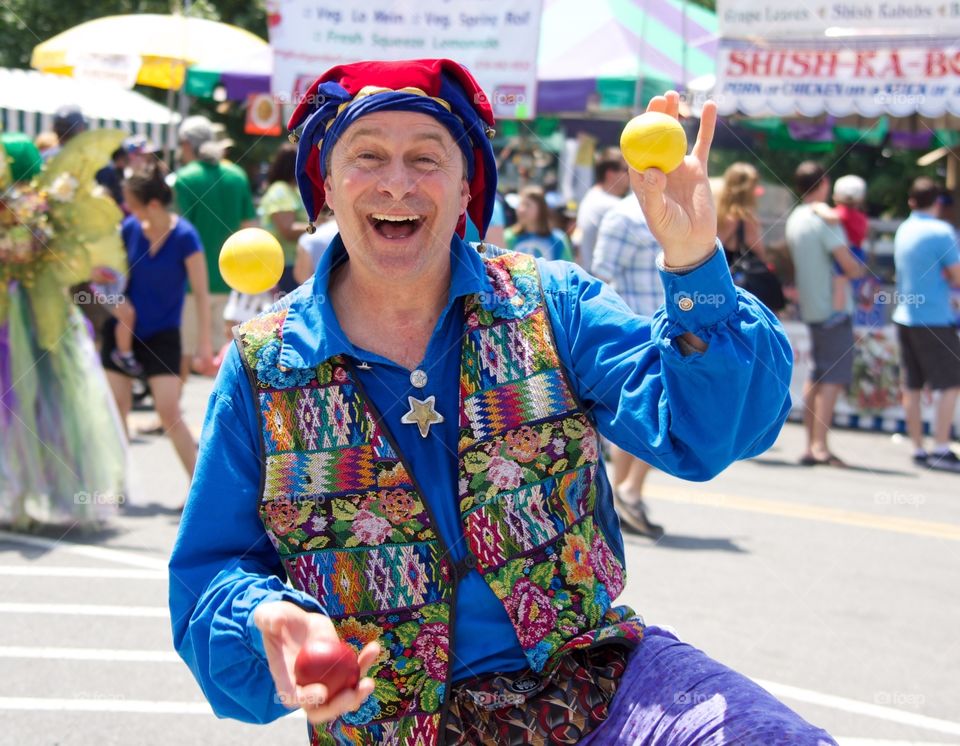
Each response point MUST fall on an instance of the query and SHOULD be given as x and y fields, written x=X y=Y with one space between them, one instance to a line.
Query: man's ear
x=328 y=192
x=464 y=195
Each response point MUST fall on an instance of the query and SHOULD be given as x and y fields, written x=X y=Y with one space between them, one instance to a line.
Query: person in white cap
x=215 y=197
x=849 y=196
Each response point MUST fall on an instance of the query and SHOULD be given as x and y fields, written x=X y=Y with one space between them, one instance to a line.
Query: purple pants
x=674 y=695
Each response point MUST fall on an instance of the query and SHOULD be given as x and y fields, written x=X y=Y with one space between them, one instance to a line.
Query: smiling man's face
x=397 y=187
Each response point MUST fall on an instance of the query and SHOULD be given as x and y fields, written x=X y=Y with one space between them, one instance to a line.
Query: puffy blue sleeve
x=688 y=413
x=223 y=564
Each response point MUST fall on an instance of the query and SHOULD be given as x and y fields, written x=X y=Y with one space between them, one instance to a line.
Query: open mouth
x=395 y=227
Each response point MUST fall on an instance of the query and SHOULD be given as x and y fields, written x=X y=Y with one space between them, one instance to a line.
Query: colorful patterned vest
x=351 y=525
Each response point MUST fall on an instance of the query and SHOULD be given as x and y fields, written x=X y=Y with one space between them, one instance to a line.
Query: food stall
x=872 y=64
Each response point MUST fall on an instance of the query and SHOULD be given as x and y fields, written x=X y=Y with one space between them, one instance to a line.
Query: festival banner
x=779 y=19
x=846 y=77
x=496 y=40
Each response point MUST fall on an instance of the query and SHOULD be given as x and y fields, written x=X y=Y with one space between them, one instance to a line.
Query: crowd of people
x=169 y=313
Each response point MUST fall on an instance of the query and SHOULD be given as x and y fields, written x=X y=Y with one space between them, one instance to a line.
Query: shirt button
x=685 y=303
x=470 y=560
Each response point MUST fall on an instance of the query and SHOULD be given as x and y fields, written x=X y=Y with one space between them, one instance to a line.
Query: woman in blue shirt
x=163 y=252
x=532 y=233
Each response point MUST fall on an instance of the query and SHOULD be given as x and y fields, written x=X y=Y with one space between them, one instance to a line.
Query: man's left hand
x=679 y=206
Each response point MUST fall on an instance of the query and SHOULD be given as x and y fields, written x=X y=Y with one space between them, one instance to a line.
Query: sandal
x=634 y=520
x=830 y=460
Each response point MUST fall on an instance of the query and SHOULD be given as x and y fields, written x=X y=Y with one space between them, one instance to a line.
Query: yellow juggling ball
x=251 y=261
x=653 y=140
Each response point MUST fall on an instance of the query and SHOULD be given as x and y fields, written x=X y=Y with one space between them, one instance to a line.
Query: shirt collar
x=311 y=331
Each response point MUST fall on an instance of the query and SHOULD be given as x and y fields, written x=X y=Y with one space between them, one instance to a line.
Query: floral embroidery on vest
x=528 y=459
x=353 y=531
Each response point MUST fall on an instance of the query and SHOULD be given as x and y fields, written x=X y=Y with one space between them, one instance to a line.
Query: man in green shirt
x=214 y=196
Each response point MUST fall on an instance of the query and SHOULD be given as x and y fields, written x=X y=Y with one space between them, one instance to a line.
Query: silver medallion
x=418 y=379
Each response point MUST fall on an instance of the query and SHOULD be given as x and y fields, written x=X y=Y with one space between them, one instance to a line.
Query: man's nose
x=397 y=179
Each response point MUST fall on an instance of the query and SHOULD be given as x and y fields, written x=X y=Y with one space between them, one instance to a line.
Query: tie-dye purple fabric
x=675 y=695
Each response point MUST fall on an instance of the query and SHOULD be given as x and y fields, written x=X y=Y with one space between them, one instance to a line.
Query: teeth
x=396 y=218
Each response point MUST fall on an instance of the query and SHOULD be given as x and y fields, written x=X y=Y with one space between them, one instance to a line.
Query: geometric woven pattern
x=528 y=458
x=508 y=351
x=492 y=411
x=351 y=583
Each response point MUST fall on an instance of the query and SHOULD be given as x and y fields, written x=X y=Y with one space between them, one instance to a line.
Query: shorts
x=188 y=324
x=831 y=346
x=158 y=354
x=929 y=355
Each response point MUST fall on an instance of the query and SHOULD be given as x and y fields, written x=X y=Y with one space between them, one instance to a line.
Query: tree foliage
x=26 y=23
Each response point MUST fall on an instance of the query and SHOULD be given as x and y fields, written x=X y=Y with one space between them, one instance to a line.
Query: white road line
x=90 y=654
x=105 y=705
x=85 y=610
x=861 y=708
x=80 y=572
x=112 y=705
x=884 y=742
x=100 y=553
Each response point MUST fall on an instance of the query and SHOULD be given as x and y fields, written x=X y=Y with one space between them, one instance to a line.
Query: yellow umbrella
x=149 y=49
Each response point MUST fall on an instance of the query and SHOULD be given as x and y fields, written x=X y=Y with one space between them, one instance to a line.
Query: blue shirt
x=922 y=248
x=157 y=284
x=552 y=246
x=690 y=415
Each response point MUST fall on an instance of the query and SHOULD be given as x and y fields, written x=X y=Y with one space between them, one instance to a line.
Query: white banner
x=496 y=40
x=785 y=79
x=772 y=19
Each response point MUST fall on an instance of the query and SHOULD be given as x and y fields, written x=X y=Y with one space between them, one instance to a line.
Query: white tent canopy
x=29 y=99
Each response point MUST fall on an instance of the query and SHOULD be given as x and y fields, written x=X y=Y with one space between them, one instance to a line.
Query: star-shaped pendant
x=423 y=414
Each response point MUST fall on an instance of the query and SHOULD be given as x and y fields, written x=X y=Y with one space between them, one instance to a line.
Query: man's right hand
x=286 y=628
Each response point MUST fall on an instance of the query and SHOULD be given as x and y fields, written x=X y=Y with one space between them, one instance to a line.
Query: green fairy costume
x=62 y=451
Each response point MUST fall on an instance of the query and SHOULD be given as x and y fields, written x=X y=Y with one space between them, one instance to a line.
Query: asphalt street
x=835 y=589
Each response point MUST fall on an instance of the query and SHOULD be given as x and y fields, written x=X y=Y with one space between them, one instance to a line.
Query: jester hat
x=441 y=88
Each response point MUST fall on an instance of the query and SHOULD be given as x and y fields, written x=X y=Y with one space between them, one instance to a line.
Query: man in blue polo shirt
x=928 y=264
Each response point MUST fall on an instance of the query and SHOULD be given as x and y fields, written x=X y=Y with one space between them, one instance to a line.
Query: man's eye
x=427 y=159
x=368 y=156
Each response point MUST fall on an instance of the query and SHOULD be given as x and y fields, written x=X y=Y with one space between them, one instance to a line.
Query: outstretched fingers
x=708 y=124
x=668 y=103
x=658 y=103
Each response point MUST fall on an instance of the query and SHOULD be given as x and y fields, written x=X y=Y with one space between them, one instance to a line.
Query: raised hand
x=679 y=206
x=286 y=628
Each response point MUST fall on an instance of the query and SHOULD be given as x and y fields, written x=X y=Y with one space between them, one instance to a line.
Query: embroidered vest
x=353 y=529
